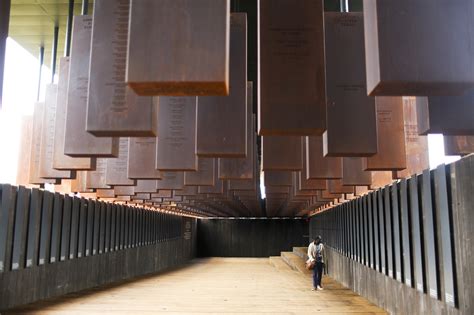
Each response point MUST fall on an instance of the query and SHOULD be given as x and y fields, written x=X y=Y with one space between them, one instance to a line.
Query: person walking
x=316 y=257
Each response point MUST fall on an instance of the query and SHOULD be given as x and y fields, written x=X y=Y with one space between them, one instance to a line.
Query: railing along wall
x=416 y=232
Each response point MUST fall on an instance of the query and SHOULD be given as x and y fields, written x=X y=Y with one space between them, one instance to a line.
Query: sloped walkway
x=215 y=286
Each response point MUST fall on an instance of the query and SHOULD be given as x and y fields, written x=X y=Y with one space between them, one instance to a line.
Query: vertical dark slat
x=113 y=224
x=126 y=227
x=20 y=228
x=132 y=226
x=122 y=227
x=152 y=226
x=76 y=208
x=117 y=227
x=158 y=227
x=90 y=226
x=83 y=210
x=405 y=236
x=389 y=231
x=376 y=229
x=46 y=225
x=445 y=235
x=166 y=226
x=152 y=222
x=354 y=229
x=108 y=227
x=382 y=232
x=346 y=229
x=7 y=218
x=351 y=229
x=371 y=234
x=417 y=234
x=66 y=228
x=430 y=239
x=357 y=230
x=365 y=224
x=119 y=245
x=397 y=243
x=155 y=229
x=34 y=224
x=140 y=227
x=57 y=226
x=160 y=230
x=145 y=227
x=97 y=228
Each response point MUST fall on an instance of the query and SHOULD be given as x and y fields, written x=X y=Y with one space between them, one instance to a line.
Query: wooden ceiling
x=32 y=24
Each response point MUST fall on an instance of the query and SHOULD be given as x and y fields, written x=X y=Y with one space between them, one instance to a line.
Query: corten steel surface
x=391 y=153
x=242 y=184
x=307 y=183
x=282 y=153
x=278 y=178
x=416 y=146
x=170 y=180
x=242 y=168
x=353 y=172
x=125 y=190
x=60 y=160
x=176 y=142
x=433 y=42
x=122 y=198
x=361 y=190
x=458 y=145
x=204 y=176
x=292 y=78
x=179 y=47
x=449 y=115
x=327 y=196
x=113 y=109
x=96 y=178
x=79 y=184
x=335 y=186
x=145 y=186
x=320 y=166
x=141 y=158
x=34 y=177
x=116 y=171
x=78 y=142
x=219 y=188
x=46 y=169
x=381 y=179
x=351 y=122
x=24 y=151
x=186 y=191
x=280 y=190
x=163 y=193
x=140 y=196
x=105 y=193
x=310 y=184
x=222 y=120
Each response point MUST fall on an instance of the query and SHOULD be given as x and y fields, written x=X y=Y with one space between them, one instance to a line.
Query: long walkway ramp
x=215 y=286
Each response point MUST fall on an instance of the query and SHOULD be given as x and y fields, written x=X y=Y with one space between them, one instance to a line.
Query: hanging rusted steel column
x=85 y=7
x=41 y=60
x=4 y=23
x=54 y=52
x=70 y=16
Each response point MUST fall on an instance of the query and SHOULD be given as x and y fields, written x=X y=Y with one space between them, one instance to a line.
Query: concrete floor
x=214 y=286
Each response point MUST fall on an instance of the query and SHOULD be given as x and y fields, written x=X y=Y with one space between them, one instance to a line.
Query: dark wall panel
x=250 y=238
